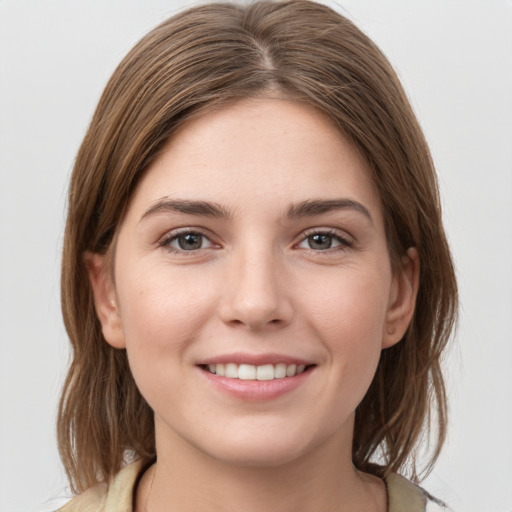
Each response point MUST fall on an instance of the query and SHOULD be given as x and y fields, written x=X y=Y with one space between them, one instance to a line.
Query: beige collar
x=404 y=496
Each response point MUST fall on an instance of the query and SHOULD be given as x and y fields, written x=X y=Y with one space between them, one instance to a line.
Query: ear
x=402 y=298
x=105 y=300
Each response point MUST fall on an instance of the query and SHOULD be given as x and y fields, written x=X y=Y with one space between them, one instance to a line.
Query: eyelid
x=174 y=234
x=346 y=241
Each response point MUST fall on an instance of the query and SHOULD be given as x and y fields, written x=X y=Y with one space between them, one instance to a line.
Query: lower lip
x=257 y=390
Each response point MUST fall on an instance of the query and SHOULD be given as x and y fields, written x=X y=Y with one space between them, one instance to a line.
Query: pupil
x=320 y=241
x=189 y=242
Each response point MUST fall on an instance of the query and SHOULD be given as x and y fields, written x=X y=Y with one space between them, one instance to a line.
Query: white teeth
x=251 y=372
x=280 y=371
x=220 y=369
x=247 y=372
x=231 y=371
x=290 y=370
x=265 y=372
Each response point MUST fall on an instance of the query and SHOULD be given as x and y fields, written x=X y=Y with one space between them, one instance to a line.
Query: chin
x=260 y=447
x=258 y=455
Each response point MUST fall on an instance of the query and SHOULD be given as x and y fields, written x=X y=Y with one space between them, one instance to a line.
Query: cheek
x=348 y=314
x=347 y=301
x=162 y=313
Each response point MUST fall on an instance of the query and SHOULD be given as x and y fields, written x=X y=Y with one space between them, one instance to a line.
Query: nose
x=256 y=293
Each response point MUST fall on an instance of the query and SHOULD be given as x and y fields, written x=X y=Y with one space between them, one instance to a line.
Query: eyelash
x=344 y=242
x=176 y=235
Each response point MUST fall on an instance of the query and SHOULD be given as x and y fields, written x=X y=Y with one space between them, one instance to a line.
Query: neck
x=185 y=480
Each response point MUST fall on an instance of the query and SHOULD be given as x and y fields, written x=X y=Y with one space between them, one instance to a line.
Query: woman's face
x=253 y=287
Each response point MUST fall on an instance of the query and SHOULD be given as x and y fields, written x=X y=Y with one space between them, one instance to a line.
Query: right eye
x=186 y=241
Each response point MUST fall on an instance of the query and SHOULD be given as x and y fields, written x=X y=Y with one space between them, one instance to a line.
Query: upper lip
x=254 y=359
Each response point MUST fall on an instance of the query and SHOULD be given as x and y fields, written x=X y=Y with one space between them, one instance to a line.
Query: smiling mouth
x=251 y=372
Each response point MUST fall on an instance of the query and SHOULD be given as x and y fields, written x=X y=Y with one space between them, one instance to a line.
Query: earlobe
x=402 y=299
x=105 y=299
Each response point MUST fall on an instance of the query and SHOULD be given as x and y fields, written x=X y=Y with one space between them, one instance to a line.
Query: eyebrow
x=319 y=206
x=188 y=207
x=306 y=208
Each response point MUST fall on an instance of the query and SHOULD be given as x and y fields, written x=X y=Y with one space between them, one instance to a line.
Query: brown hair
x=202 y=59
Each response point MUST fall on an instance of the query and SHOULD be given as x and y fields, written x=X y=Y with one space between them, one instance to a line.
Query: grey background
x=455 y=60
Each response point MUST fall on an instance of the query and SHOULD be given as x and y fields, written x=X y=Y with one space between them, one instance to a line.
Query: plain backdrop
x=455 y=60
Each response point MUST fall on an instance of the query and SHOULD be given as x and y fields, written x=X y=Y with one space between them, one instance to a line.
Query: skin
x=259 y=284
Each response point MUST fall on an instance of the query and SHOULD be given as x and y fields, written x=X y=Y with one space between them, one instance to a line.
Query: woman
x=256 y=281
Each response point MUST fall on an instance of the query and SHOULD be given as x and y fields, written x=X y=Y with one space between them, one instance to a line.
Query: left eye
x=323 y=241
x=189 y=241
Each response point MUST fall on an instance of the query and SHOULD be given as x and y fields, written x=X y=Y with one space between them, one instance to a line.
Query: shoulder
x=117 y=496
x=404 y=496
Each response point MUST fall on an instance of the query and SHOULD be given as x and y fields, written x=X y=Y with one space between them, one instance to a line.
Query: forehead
x=267 y=151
